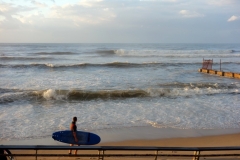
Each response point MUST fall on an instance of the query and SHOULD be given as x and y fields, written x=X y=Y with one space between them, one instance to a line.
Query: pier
x=220 y=73
x=207 y=68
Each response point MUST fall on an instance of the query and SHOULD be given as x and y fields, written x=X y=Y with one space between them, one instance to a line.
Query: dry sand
x=146 y=137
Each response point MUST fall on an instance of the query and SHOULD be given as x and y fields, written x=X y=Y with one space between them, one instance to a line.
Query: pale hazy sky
x=124 y=21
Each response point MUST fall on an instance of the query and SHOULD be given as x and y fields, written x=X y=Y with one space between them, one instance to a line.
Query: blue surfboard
x=84 y=138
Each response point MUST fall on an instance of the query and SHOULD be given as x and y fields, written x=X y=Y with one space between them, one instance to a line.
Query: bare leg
x=70 y=151
x=76 y=150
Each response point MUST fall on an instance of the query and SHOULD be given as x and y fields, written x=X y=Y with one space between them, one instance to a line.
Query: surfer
x=73 y=128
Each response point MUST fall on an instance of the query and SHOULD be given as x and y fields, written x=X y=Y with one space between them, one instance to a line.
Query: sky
x=119 y=21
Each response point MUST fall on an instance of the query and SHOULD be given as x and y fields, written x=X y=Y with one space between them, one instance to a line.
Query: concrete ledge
x=236 y=75
x=205 y=70
x=212 y=72
x=228 y=74
x=220 y=73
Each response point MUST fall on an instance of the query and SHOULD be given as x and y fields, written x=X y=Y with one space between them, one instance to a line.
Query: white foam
x=187 y=91
x=120 y=52
x=49 y=94
x=196 y=112
x=11 y=96
x=49 y=65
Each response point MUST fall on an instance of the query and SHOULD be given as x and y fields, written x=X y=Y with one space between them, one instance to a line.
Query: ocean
x=42 y=86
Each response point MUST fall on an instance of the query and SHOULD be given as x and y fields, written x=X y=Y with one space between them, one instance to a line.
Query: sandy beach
x=143 y=136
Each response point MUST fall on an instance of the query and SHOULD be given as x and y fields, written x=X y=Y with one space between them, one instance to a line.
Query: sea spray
x=49 y=94
x=52 y=94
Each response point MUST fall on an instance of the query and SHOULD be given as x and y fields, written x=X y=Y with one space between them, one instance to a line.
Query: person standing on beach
x=73 y=128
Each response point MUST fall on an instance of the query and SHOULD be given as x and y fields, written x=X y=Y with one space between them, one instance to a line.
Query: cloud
x=5 y=8
x=8 y=9
x=233 y=18
x=222 y=2
x=190 y=14
x=88 y=12
x=169 y=1
x=2 y=18
x=127 y=21
x=12 y=15
x=87 y=3
x=158 y=0
x=39 y=14
x=38 y=4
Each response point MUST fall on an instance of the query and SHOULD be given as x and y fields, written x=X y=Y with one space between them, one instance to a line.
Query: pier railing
x=121 y=152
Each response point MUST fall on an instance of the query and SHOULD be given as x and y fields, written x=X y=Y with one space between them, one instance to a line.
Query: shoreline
x=147 y=135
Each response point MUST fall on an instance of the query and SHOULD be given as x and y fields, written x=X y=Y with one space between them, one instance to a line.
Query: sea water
x=42 y=86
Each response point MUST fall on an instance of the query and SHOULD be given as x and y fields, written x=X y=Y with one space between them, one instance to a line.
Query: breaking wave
x=171 y=53
x=171 y=90
x=112 y=64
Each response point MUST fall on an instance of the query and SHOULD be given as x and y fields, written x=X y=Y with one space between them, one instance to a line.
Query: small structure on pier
x=207 y=64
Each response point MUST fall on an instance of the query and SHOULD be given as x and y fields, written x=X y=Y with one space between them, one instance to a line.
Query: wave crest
x=171 y=90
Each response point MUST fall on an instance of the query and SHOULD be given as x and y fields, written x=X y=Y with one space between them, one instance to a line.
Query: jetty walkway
x=220 y=73
x=207 y=68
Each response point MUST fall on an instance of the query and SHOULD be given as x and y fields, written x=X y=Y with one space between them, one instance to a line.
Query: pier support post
x=156 y=155
x=196 y=155
x=100 y=156
x=36 y=155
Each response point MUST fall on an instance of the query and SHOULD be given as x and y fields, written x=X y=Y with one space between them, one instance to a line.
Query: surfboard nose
x=93 y=139
x=54 y=136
